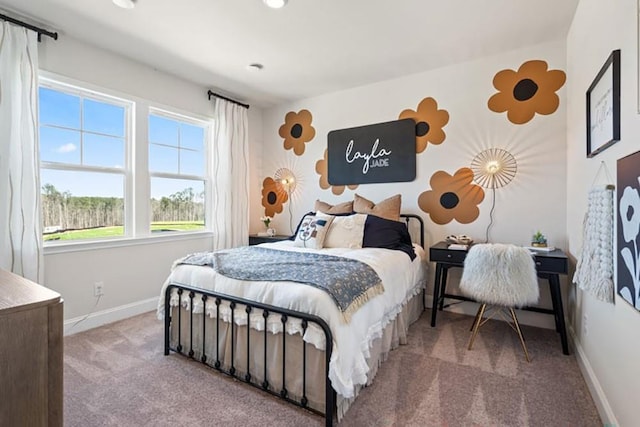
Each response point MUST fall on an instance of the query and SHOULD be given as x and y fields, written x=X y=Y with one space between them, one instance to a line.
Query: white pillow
x=346 y=232
x=313 y=230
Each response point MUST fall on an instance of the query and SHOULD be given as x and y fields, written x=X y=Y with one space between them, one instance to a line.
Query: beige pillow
x=346 y=232
x=313 y=231
x=346 y=207
x=388 y=208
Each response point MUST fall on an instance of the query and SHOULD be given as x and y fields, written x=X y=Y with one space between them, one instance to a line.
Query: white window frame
x=137 y=199
x=126 y=171
x=206 y=150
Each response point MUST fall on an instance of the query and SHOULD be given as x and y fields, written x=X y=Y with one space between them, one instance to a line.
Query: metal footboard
x=213 y=360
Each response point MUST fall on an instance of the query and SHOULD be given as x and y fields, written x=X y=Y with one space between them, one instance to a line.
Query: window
x=177 y=164
x=106 y=172
x=84 y=141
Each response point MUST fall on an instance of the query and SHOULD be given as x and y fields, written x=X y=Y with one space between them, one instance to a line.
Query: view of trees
x=63 y=211
x=184 y=205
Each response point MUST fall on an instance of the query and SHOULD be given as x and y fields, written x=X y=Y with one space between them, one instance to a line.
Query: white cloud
x=66 y=148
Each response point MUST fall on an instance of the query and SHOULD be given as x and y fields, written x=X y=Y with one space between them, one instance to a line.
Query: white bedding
x=402 y=279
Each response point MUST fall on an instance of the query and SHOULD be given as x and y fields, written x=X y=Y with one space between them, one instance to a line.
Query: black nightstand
x=256 y=240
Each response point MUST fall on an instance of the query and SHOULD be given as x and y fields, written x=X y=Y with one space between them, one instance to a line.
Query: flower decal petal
x=429 y=123
x=323 y=170
x=630 y=213
x=273 y=197
x=452 y=197
x=297 y=131
x=530 y=90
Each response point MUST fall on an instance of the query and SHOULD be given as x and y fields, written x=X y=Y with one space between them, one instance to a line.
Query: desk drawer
x=447 y=256
x=546 y=264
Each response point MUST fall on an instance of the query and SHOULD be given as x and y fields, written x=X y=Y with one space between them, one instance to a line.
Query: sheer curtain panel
x=230 y=181
x=20 y=223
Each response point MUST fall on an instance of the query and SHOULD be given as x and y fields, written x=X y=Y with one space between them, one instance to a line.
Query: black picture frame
x=603 y=107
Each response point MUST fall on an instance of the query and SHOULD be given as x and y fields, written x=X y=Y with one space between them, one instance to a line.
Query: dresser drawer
x=547 y=264
x=447 y=256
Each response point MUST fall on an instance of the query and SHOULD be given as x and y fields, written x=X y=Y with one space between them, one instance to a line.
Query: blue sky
x=102 y=144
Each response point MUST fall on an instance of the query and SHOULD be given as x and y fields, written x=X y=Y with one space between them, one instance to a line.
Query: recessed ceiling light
x=275 y=4
x=125 y=4
x=255 y=67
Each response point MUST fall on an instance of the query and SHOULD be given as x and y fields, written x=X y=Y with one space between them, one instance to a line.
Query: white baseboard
x=109 y=315
x=597 y=394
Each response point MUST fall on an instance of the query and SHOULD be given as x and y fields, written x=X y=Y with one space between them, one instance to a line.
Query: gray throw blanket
x=350 y=283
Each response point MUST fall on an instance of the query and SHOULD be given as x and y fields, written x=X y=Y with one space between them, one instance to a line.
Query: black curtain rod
x=217 y=95
x=41 y=31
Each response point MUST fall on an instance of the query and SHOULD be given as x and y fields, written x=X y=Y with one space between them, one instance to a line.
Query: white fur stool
x=501 y=275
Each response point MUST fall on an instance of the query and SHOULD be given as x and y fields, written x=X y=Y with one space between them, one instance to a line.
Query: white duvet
x=402 y=279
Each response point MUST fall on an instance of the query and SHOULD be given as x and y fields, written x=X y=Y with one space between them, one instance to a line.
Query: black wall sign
x=384 y=152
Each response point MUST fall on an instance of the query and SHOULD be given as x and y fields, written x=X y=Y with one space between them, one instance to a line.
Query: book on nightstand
x=541 y=248
x=458 y=247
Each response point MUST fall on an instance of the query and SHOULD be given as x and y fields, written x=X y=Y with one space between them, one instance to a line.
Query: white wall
x=132 y=274
x=609 y=348
x=527 y=204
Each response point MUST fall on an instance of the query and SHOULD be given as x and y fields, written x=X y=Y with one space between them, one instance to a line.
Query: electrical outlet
x=585 y=329
x=98 y=289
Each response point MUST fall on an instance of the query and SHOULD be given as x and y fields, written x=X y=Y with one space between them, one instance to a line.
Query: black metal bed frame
x=249 y=306
x=285 y=314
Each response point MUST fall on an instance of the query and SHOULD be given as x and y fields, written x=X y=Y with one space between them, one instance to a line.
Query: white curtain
x=20 y=223
x=230 y=175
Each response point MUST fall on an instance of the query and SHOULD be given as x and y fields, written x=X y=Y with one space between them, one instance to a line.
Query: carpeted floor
x=117 y=375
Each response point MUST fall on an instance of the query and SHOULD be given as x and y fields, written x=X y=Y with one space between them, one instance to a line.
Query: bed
x=328 y=352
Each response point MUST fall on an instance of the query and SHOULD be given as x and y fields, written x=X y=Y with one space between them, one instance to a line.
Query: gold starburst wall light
x=286 y=182
x=493 y=168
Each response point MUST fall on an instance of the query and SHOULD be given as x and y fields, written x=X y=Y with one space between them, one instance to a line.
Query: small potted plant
x=266 y=220
x=538 y=240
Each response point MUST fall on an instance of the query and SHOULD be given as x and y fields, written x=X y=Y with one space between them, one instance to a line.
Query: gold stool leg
x=515 y=322
x=476 y=319
x=476 y=325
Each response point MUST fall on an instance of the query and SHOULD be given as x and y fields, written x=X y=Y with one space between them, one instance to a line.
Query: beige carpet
x=116 y=375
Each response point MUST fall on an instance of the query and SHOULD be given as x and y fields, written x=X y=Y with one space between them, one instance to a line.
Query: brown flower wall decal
x=429 y=123
x=452 y=197
x=297 y=131
x=322 y=169
x=530 y=90
x=273 y=197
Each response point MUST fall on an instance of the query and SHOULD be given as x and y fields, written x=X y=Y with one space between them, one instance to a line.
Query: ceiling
x=308 y=48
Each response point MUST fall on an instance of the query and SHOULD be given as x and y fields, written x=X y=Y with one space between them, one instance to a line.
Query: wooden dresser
x=30 y=353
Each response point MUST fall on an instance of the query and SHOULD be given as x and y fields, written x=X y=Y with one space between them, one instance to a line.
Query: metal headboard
x=412 y=217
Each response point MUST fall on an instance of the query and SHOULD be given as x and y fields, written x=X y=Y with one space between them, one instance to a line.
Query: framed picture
x=603 y=107
x=628 y=229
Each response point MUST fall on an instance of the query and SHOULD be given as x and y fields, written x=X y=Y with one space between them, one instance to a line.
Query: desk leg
x=436 y=294
x=556 y=318
x=556 y=298
x=443 y=286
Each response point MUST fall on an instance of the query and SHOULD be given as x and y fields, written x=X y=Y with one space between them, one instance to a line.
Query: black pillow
x=388 y=234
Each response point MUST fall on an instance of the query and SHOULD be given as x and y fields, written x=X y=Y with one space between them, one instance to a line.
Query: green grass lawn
x=102 y=232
